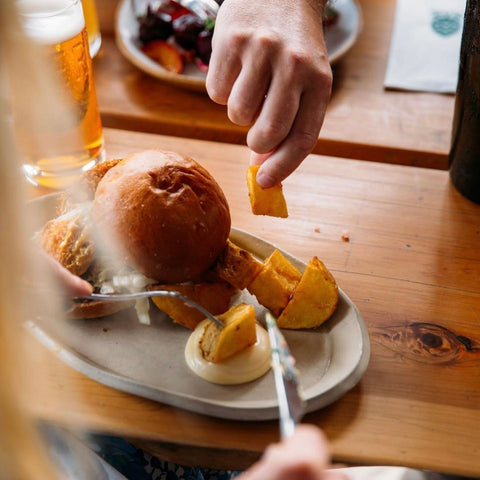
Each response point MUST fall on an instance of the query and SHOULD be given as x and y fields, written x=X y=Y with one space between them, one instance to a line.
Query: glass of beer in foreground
x=93 y=26
x=56 y=116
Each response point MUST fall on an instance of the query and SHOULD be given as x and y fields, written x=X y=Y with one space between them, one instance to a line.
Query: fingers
x=229 y=43
x=259 y=158
x=240 y=80
x=299 y=141
x=280 y=106
x=270 y=66
x=309 y=447
x=304 y=456
x=250 y=88
x=263 y=177
x=287 y=127
x=72 y=285
x=223 y=68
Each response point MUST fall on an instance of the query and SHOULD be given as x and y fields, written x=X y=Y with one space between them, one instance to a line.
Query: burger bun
x=164 y=214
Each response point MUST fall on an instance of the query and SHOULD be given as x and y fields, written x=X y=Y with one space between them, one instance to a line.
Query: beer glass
x=56 y=116
x=92 y=25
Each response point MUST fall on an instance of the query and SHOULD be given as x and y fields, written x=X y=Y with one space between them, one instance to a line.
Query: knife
x=290 y=403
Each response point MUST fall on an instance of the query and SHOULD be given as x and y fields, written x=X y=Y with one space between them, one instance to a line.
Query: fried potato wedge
x=237 y=266
x=275 y=283
x=265 y=201
x=313 y=301
x=218 y=344
x=214 y=297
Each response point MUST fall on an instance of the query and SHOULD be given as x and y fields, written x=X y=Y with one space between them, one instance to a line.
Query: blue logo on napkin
x=446 y=23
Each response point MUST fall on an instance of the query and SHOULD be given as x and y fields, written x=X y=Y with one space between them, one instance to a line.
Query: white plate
x=339 y=38
x=149 y=360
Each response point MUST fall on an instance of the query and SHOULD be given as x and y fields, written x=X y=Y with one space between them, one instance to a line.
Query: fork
x=122 y=297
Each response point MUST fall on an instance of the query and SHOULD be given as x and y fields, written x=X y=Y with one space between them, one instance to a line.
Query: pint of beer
x=93 y=27
x=55 y=109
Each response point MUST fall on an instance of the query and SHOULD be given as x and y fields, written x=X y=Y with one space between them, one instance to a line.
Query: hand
x=71 y=284
x=269 y=65
x=304 y=456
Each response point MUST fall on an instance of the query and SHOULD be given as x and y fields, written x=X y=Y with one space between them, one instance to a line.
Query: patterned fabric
x=136 y=464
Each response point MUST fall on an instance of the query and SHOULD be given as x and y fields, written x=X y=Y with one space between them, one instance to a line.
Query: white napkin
x=425 y=46
x=387 y=473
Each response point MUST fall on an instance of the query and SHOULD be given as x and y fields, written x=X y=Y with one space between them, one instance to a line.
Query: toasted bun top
x=166 y=213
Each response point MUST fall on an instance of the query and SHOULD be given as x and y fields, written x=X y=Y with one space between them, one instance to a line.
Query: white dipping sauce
x=248 y=365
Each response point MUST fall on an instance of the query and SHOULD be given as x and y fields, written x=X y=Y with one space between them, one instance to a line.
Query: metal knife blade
x=290 y=403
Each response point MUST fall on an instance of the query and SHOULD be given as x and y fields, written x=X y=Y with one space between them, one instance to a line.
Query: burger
x=152 y=217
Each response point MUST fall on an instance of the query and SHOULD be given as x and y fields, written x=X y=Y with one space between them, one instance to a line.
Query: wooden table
x=411 y=266
x=363 y=121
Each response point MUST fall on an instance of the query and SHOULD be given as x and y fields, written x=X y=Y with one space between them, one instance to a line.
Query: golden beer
x=57 y=121
x=93 y=27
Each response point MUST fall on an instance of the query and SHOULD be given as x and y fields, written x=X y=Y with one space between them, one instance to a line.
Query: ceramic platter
x=149 y=360
x=339 y=38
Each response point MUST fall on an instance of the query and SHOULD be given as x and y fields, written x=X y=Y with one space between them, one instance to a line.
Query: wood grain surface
x=363 y=121
x=412 y=267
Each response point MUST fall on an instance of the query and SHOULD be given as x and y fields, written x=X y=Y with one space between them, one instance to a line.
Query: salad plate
x=148 y=360
x=339 y=38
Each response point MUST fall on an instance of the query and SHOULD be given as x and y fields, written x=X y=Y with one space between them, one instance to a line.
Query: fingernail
x=264 y=180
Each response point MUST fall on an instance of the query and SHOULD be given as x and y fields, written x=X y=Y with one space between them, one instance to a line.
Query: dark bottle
x=464 y=157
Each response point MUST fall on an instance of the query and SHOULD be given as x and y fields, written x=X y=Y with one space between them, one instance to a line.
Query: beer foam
x=49 y=22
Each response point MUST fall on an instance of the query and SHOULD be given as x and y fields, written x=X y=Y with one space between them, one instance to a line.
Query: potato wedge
x=237 y=266
x=314 y=300
x=265 y=201
x=214 y=297
x=238 y=334
x=275 y=283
